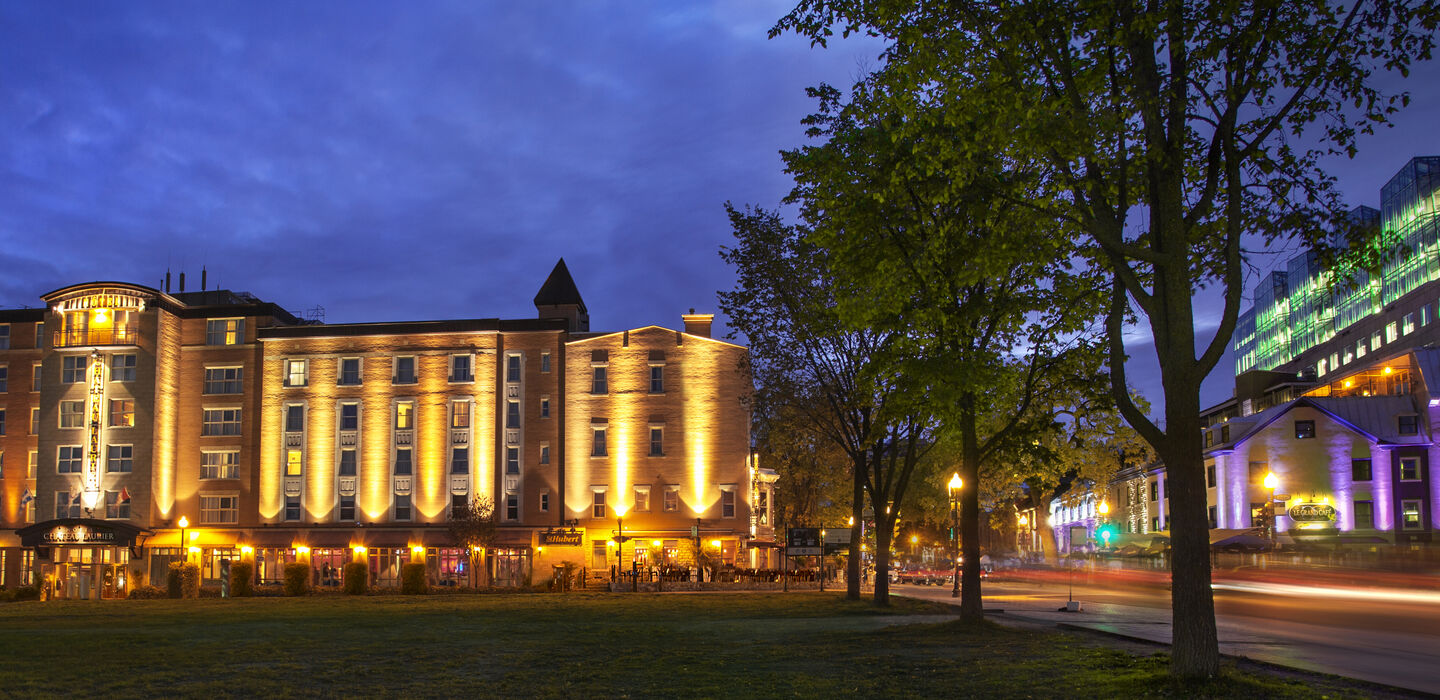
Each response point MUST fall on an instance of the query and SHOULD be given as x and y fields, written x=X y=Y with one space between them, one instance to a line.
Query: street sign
x=837 y=540
x=694 y=530
x=802 y=542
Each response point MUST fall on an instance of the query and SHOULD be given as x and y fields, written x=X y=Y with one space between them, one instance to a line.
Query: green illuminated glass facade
x=1301 y=308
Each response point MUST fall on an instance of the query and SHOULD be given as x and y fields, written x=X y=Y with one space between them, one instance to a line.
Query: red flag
x=124 y=495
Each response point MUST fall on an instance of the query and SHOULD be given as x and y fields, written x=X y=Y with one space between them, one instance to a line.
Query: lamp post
x=1104 y=510
x=184 y=523
x=620 y=540
x=1271 y=481
x=954 y=490
x=1023 y=523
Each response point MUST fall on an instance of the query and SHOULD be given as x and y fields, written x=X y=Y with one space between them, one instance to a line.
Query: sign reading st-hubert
x=562 y=538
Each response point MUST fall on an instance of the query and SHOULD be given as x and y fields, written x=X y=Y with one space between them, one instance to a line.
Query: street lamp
x=184 y=543
x=1271 y=481
x=1104 y=511
x=954 y=490
x=913 y=540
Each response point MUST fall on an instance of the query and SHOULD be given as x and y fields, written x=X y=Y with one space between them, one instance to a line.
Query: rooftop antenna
x=315 y=314
x=202 y=278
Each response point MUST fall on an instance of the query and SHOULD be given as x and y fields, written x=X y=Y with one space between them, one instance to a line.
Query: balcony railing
x=120 y=335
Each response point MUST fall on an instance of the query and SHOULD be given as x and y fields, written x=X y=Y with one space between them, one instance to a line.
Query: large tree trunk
x=884 y=534
x=857 y=510
x=972 y=609
x=1195 y=648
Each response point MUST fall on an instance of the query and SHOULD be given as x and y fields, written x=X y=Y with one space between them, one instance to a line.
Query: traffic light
x=1106 y=533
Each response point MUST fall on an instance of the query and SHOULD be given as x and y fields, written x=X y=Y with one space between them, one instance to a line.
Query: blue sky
x=425 y=160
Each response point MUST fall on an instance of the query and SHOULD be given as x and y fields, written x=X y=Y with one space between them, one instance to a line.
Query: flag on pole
x=76 y=500
x=124 y=495
x=26 y=497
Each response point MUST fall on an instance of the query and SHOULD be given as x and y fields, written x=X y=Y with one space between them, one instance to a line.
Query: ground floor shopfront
x=91 y=559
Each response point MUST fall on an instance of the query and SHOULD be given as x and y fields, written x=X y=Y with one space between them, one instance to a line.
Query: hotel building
x=145 y=426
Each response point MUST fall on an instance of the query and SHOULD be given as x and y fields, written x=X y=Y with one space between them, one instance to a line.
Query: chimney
x=697 y=324
x=167 y=281
x=182 y=282
x=202 y=278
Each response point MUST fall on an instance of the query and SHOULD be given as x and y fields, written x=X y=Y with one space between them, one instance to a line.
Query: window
x=402 y=462
x=34 y=421
x=1409 y=425
x=72 y=414
x=512 y=368
x=2 y=421
x=657 y=441
x=512 y=506
x=72 y=369
x=347 y=462
x=34 y=466
x=294 y=462
x=119 y=459
x=39 y=336
x=1410 y=515
x=512 y=460
x=1360 y=348
x=1392 y=332
x=597 y=445
x=5 y=337
x=1209 y=438
x=295 y=374
x=1364 y=515
x=35 y=375
x=512 y=414
x=1224 y=433
x=1375 y=340
x=544 y=453
x=544 y=501
x=405 y=370
x=657 y=379
x=349 y=371
x=404 y=415
x=1360 y=470
x=223 y=380
x=4 y=379
x=1408 y=326
x=1155 y=524
x=459 y=414
x=1304 y=429
x=1209 y=476
x=544 y=406
x=292 y=509
x=1210 y=516
x=347 y=508
x=116 y=509
x=545 y=362
x=349 y=416
x=642 y=498
x=220 y=509
x=460 y=369
x=402 y=506
x=597 y=504
x=70 y=460
x=459 y=503
x=225 y=331
x=122 y=413
x=598 y=383
x=1155 y=490
x=294 y=418
x=65 y=506
x=672 y=499
x=220 y=465
x=460 y=460
x=1409 y=468
x=727 y=503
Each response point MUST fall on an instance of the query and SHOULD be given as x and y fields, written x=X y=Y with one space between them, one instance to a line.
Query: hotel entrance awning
x=79 y=532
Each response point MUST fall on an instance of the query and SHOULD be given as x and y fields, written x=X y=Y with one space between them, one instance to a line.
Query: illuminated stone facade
x=283 y=440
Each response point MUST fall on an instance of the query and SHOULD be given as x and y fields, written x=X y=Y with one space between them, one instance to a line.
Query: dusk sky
x=395 y=161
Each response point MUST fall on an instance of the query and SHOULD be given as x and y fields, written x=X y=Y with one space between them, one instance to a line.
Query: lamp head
x=183 y=522
x=1104 y=507
x=956 y=482
x=1271 y=481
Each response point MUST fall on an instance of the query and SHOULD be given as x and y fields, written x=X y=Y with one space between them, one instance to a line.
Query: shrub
x=297 y=579
x=19 y=594
x=355 y=578
x=269 y=591
x=412 y=579
x=242 y=579
x=173 y=577
x=209 y=591
x=147 y=593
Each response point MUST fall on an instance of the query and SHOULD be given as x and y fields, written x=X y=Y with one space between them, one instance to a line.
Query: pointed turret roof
x=559 y=289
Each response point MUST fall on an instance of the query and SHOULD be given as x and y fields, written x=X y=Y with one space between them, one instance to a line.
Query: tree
x=814 y=476
x=1167 y=131
x=987 y=327
x=784 y=303
x=474 y=527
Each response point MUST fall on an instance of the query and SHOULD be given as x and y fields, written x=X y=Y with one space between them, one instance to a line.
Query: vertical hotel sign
x=94 y=401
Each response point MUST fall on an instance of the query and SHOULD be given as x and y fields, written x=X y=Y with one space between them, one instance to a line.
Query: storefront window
x=385 y=565
x=512 y=567
x=210 y=571
x=270 y=565
x=446 y=566
x=328 y=566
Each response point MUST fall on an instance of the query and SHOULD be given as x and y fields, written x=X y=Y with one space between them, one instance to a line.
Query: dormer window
x=1408 y=425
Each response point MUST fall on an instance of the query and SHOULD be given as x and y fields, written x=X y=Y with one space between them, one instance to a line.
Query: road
x=1383 y=635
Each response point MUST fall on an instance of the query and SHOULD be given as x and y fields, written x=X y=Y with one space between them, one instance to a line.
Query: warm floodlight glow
x=620 y=509
x=247 y=549
x=183 y=522
x=302 y=549
x=956 y=482
x=714 y=543
x=1388 y=370
x=103 y=316
x=1104 y=507
x=358 y=549
x=1024 y=521
x=194 y=550
x=654 y=543
x=1271 y=481
x=914 y=539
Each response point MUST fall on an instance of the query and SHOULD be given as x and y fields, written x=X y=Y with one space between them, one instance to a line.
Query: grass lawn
x=578 y=645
